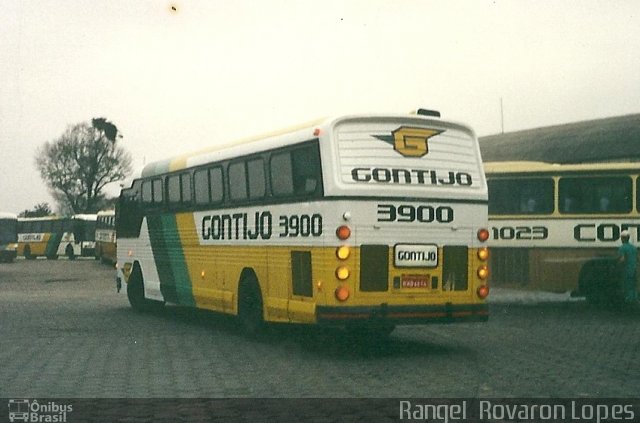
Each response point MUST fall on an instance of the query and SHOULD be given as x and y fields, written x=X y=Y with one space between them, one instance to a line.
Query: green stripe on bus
x=52 y=245
x=175 y=283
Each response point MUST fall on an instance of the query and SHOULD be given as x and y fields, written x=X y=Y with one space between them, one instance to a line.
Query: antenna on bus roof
x=427 y=112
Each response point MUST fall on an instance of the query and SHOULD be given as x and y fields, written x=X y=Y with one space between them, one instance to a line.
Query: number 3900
x=409 y=213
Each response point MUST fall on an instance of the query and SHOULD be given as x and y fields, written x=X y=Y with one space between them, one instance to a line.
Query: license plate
x=416 y=281
x=416 y=255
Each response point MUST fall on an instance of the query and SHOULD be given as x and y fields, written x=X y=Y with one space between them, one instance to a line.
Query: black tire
x=135 y=293
x=250 y=307
x=69 y=252
x=27 y=253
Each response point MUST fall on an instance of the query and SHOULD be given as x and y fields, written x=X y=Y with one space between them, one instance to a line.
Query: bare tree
x=78 y=165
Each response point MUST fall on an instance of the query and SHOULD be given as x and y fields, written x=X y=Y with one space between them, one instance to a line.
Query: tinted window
x=255 y=169
x=306 y=169
x=201 y=186
x=520 y=196
x=237 y=181
x=147 y=195
x=595 y=194
x=281 y=174
x=157 y=190
x=217 y=187
x=185 y=184
x=173 y=188
x=296 y=172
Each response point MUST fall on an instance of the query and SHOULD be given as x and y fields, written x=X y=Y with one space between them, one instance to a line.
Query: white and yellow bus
x=106 y=236
x=554 y=227
x=8 y=237
x=359 y=221
x=54 y=236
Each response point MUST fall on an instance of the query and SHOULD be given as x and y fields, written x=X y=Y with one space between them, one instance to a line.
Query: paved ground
x=64 y=332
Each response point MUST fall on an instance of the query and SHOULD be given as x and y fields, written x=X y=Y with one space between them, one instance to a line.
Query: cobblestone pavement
x=64 y=332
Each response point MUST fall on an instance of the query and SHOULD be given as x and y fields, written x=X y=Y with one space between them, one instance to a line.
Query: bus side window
x=157 y=191
x=207 y=186
x=147 y=193
x=595 y=194
x=185 y=188
x=216 y=184
x=281 y=174
x=257 y=181
x=201 y=186
x=306 y=169
x=173 y=189
x=296 y=172
x=237 y=181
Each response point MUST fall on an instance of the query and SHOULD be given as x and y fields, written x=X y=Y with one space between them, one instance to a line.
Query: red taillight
x=483 y=234
x=342 y=293
x=343 y=232
x=483 y=292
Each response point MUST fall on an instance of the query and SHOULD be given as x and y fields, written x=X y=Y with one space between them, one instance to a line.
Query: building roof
x=601 y=140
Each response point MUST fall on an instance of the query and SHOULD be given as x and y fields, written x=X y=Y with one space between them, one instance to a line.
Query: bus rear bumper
x=401 y=314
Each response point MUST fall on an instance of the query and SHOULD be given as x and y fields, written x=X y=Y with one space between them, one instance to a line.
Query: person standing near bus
x=627 y=256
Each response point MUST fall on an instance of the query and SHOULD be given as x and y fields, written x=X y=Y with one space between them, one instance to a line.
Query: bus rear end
x=409 y=213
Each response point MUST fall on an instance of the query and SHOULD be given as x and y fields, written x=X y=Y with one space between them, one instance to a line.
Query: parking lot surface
x=64 y=332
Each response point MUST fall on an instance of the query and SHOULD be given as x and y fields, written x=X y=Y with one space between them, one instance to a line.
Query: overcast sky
x=215 y=71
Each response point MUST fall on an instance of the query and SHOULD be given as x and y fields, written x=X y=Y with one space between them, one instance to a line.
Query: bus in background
x=84 y=235
x=361 y=222
x=553 y=226
x=8 y=237
x=54 y=236
x=106 y=236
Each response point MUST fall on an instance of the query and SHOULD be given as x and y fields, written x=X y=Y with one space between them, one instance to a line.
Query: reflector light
x=483 y=292
x=343 y=252
x=483 y=254
x=483 y=234
x=342 y=293
x=202 y=274
x=483 y=272
x=343 y=232
x=316 y=132
x=342 y=273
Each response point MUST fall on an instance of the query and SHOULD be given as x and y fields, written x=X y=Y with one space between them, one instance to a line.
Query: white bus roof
x=89 y=217
x=6 y=215
x=525 y=167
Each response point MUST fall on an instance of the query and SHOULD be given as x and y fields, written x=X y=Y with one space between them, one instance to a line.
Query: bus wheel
x=27 y=253
x=69 y=252
x=135 y=293
x=250 y=307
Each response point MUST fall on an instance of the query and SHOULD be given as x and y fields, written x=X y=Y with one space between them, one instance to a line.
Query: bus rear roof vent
x=427 y=112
